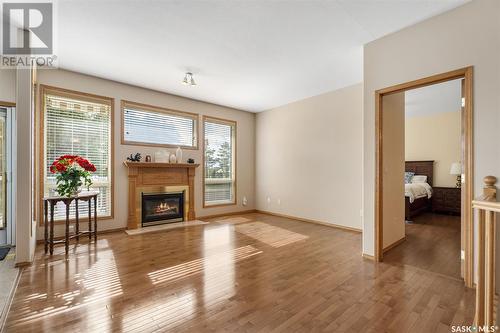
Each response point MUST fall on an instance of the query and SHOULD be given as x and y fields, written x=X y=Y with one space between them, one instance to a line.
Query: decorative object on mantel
x=456 y=170
x=148 y=158
x=162 y=156
x=72 y=171
x=134 y=158
x=178 y=155
x=190 y=161
x=173 y=158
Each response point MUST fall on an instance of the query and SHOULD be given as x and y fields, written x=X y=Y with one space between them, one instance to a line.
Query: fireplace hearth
x=159 y=208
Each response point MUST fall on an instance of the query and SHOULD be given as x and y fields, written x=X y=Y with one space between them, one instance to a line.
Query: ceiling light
x=188 y=79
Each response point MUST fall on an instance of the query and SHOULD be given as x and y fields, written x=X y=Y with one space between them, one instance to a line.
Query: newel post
x=485 y=284
x=489 y=189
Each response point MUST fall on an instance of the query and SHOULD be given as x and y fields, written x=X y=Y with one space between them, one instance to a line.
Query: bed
x=417 y=196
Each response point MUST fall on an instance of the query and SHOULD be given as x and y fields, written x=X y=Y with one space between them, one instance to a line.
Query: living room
x=228 y=177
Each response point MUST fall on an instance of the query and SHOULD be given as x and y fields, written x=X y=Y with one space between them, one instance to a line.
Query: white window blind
x=155 y=126
x=219 y=162
x=78 y=127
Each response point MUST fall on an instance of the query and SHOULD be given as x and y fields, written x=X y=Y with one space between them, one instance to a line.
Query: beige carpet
x=166 y=226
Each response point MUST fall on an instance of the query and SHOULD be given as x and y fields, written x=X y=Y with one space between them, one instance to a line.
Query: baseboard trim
x=108 y=231
x=393 y=245
x=332 y=225
x=368 y=256
x=206 y=217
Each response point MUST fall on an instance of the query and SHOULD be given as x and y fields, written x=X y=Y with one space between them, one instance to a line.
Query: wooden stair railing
x=487 y=206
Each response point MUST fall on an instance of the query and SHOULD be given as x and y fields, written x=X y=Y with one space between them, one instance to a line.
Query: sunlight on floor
x=269 y=234
x=167 y=312
x=218 y=238
x=233 y=220
x=99 y=282
x=218 y=279
x=216 y=260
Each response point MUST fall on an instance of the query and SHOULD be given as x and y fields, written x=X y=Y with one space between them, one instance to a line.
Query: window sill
x=219 y=204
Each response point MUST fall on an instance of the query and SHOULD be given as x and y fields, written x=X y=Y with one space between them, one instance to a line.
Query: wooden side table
x=446 y=200
x=50 y=202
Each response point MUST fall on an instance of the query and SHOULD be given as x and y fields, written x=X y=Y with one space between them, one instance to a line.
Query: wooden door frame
x=468 y=162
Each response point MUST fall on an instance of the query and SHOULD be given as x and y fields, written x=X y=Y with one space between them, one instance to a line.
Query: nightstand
x=446 y=200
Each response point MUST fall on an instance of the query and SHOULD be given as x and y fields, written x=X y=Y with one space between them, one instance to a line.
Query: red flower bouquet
x=72 y=172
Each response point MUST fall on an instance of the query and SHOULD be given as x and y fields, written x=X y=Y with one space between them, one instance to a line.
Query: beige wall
x=393 y=123
x=435 y=137
x=245 y=140
x=8 y=85
x=309 y=158
x=468 y=35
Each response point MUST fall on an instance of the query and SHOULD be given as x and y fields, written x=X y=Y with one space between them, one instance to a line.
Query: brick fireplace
x=160 y=193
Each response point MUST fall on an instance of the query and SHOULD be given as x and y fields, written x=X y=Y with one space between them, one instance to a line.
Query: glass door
x=6 y=227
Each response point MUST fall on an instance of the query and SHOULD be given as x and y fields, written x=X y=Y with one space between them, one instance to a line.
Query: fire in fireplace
x=158 y=208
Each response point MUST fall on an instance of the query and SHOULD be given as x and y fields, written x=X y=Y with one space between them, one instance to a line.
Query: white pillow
x=419 y=179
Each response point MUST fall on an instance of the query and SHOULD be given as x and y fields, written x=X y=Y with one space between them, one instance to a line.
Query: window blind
x=158 y=127
x=219 y=162
x=78 y=127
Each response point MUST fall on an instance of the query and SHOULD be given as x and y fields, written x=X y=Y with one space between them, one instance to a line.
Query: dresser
x=446 y=200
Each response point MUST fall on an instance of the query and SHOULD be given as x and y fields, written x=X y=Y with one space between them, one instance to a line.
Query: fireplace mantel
x=160 y=165
x=149 y=175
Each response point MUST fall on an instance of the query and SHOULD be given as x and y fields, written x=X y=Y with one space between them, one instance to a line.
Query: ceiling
x=250 y=55
x=443 y=97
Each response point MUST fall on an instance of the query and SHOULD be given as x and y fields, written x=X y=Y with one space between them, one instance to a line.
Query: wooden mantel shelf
x=159 y=165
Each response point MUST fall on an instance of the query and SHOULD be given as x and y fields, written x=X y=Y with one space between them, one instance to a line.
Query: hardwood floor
x=249 y=273
x=432 y=243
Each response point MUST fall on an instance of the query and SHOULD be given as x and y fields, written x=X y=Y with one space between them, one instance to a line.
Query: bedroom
x=430 y=236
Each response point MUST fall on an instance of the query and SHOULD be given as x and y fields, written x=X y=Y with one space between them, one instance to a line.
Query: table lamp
x=456 y=169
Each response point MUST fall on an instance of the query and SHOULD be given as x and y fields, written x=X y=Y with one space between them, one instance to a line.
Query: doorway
x=7 y=226
x=384 y=153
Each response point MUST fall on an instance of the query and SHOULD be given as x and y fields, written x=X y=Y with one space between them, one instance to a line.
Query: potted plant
x=72 y=171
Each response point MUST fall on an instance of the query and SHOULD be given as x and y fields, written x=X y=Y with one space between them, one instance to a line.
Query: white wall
x=8 y=85
x=468 y=35
x=245 y=140
x=309 y=158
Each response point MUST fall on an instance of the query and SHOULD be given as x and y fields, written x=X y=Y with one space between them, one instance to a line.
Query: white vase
x=178 y=155
x=172 y=159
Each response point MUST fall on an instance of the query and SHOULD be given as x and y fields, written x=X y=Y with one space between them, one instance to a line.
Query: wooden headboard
x=425 y=168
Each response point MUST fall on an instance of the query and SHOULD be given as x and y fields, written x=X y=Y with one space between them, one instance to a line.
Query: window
x=78 y=124
x=219 y=162
x=149 y=125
